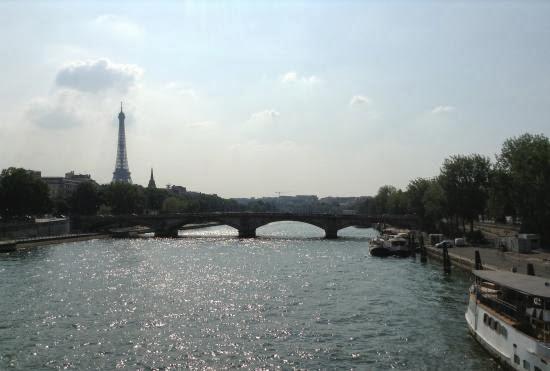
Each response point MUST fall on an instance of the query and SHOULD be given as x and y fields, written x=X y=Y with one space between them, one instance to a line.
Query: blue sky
x=252 y=98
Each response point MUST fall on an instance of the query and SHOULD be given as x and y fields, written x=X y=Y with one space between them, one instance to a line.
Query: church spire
x=152 y=181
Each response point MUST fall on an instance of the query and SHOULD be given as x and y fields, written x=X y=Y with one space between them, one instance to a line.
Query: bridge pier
x=247 y=233
x=167 y=233
x=331 y=233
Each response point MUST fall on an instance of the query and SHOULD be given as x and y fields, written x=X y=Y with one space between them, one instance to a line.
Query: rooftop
x=529 y=285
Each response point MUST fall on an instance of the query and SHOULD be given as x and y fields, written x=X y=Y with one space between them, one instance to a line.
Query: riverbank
x=494 y=259
x=24 y=243
x=50 y=240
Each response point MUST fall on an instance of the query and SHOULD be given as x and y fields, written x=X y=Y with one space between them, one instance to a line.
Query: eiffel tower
x=122 y=172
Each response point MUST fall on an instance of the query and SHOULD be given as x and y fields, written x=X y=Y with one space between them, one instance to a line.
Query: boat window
x=503 y=331
x=516 y=359
x=526 y=365
x=537 y=369
x=484 y=317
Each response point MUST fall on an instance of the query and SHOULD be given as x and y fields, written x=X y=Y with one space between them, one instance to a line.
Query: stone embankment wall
x=29 y=230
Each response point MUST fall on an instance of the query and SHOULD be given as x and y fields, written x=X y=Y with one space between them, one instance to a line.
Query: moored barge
x=509 y=315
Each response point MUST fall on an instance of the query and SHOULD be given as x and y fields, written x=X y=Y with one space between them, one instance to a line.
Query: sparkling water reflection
x=288 y=299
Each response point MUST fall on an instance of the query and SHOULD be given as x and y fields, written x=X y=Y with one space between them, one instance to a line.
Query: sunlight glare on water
x=288 y=299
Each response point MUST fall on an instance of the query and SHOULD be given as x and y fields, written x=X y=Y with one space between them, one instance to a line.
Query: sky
x=250 y=98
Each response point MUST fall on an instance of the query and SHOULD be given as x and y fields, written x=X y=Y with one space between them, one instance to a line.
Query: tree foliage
x=85 y=200
x=22 y=193
x=465 y=180
x=526 y=161
x=124 y=198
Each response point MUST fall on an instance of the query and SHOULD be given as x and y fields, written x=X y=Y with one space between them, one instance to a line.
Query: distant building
x=64 y=187
x=152 y=183
x=177 y=190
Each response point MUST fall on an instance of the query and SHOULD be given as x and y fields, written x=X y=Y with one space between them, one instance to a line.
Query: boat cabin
x=398 y=241
x=523 y=300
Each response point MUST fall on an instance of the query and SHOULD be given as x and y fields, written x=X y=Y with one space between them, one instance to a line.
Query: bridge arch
x=245 y=222
x=223 y=230
x=273 y=229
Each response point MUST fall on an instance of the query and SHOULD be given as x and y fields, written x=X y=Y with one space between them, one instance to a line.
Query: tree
x=22 y=193
x=398 y=203
x=433 y=203
x=465 y=180
x=500 y=203
x=155 y=198
x=174 y=204
x=123 y=198
x=60 y=206
x=85 y=200
x=426 y=201
x=526 y=159
x=416 y=190
x=381 y=200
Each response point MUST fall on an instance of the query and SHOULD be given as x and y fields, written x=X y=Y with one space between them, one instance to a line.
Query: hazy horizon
x=248 y=99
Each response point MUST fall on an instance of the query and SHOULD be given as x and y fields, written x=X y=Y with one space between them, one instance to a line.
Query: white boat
x=509 y=315
x=379 y=248
x=398 y=246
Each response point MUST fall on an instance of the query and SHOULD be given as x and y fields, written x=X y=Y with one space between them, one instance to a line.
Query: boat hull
x=402 y=253
x=380 y=251
x=510 y=350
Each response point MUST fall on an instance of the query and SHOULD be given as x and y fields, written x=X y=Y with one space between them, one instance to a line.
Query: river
x=288 y=299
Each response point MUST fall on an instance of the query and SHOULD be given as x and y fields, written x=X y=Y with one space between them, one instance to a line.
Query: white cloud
x=202 y=124
x=179 y=89
x=289 y=77
x=292 y=77
x=359 y=100
x=56 y=112
x=442 y=110
x=265 y=115
x=118 y=26
x=98 y=75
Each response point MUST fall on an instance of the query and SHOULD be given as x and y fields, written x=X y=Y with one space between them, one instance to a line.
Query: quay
x=495 y=259
x=14 y=245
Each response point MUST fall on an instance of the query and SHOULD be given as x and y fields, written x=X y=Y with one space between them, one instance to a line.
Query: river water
x=288 y=299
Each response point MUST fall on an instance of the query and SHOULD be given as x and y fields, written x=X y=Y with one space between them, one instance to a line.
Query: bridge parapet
x=245 y=222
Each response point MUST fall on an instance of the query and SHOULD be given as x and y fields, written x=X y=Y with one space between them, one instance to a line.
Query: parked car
x=442 y=244
x=460 y=242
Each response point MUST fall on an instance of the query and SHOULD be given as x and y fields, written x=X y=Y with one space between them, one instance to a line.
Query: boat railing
x=500 y=306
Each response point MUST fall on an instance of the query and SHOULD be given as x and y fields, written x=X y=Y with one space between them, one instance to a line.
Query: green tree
x=155 y=198
x=416 y=190
x=85 y=200
x=381 y=204
x=526 y=159
x=123 y=198
x=434 y=204
x=500 y=203
x=60 y=206
x=22 y=193
x=398 y=203
x=174 y=204
x=465 y=180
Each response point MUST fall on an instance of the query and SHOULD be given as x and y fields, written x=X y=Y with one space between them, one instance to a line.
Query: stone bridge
x=167 y=225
